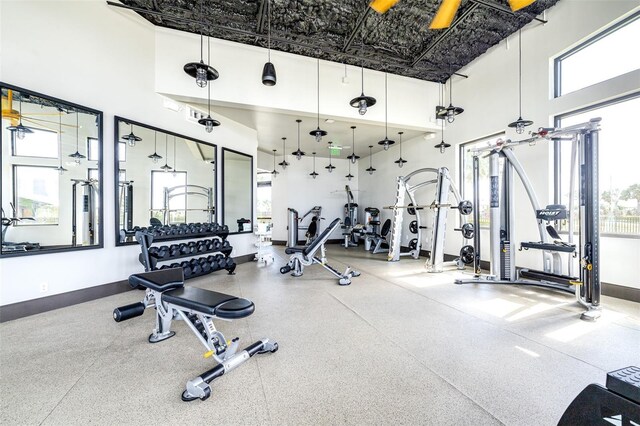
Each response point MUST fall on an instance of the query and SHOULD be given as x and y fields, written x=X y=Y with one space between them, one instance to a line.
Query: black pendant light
x=400 y=161
x=442 y=145
x=60 y=169
x=449 y=113
x=203 y=73
x=155 y=157
x=166 y=167
x=76 y=155
x=370 y=169
x=274 y=172
x=362 y=102
x=208 y=122
x=318 y=133
x=330 y=167
x=353 y=157
x=284 y=163
x=269 y=71
x=386 y=142
x=349 y=176
x=21 y=131
x=131 y=139
x=298 y=153
x=520 y=123
x=314 y=174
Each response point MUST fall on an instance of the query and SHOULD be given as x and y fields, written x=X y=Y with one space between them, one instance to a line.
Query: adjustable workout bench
x=165 y=291
x=306 y=256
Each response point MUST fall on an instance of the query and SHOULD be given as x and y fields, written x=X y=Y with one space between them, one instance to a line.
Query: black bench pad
x=209 y=302
x=291 y=250
x=163 y=280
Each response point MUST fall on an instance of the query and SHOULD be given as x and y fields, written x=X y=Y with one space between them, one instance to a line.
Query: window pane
x=122 y=151
x=608 y=57
x=40 y=143
x=93 y=148
x=37 y=194
x=160 y=181
x=619 y=151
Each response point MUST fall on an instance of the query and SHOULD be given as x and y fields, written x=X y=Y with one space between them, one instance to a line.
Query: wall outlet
x=44 y=287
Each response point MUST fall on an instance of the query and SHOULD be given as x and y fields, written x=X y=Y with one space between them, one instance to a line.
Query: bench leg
x=199 y=388
x=164 y=316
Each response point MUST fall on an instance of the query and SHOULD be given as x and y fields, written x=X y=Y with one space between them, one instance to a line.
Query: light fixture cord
x=284 y=151
x=77 y=132
x=298 y=135
x=20 y=108
x=174 y=155
x=60 y=136
x=208 y=64
x=166 y=146
x=362 y=78
x=370 y=155
x=201 y=43
x=385 y=106
x=353 y=141
x=520 y=71
x=269 y=29
x=400 y=146
x=155 y=142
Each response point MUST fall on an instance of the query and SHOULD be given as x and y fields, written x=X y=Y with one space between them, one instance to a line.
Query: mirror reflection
x=51 y=173
x=163 y=179
x=237 y=190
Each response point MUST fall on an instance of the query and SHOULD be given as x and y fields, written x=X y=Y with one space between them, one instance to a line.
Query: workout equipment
x=584 y=157
x=89 y=211
x=12 y=221
x=197 y=191
x=263 y=239
x=294 y=221
x=165 y=291
x=372 y=226
x=617 y=404
x=126 y=203
x=444 y=185
x=379 y=242
x=350 y=220
x=306 y=256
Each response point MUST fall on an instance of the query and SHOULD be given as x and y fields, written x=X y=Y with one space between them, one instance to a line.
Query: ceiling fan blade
x=40 y=125
x=26 y=117
x=519 y=4
x=382 y=6
x=445 y=14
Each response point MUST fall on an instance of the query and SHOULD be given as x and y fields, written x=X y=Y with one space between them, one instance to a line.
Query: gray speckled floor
x=397 y=346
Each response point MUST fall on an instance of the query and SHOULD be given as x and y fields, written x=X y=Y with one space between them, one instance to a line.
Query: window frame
x=557 y=62
x=14 y=148
x=14 y=171
x=162 y=172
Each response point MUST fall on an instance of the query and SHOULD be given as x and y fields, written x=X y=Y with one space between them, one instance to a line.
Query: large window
x=619 y=151
x=36 y=195
x=264 y=197
x=611 y=53
x=177 y=206
x=39 y=143
x=466 y=177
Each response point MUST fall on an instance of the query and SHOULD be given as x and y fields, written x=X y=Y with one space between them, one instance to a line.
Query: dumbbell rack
x=217 y=248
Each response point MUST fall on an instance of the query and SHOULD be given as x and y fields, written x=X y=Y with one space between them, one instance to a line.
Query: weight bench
x=306 y=256
x=165 y=291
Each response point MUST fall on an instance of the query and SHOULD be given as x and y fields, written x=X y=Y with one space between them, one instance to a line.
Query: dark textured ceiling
x=398 y=41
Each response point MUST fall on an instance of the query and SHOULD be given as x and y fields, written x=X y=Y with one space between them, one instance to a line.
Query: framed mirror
x=51 y=174
x=237 y=191
x=162 y=178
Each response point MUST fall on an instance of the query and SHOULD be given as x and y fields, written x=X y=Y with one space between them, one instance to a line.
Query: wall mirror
x=51 y=174
x=162 y=178
x=237 y=191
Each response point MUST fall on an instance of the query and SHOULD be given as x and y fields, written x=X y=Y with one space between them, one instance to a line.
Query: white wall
x=490 y=99
x=91 y=54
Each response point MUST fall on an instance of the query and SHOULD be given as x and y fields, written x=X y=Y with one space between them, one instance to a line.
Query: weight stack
x=505 y=260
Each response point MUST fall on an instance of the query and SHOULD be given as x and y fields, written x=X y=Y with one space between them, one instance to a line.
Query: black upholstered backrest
x=313 y=228
x=385 y=227
x=322 y=238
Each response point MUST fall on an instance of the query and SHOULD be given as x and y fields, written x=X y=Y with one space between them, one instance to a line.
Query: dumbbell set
x=192 y=248
x=184 y=230
x=203 y=265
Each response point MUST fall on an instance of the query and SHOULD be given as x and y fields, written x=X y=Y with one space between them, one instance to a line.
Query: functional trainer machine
x=350 y=220
x=584 y=158
x=89 y=197
x=306 y=256
x=126 y=203
x=294 y=221
x=617 y=404
x=165 y=291
x=188 y=190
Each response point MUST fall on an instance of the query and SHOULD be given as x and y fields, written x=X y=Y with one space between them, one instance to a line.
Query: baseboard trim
x=302 y=242
x=621 y=292
x=49 y=303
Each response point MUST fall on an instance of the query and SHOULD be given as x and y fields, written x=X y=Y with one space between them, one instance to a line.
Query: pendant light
x=400 y=161
x=269 y=71
x=298 y=153
x=155 y=157
x=449 y=113
x=353 y=157
x=318 y=133
x=76 y=155
x=370 y=169
x=314 y=174
x=442 y=145
x=203 y=73
x=362 y=102
x=330 y=167
x=60 y=169
x=131 y=139
x=520 y=124
x=175 y=159
x=284 y=163
x=166 y=167
x=386 y=142
x=274 y=172
x=349 y=176
x=21 y=131
x=209 y=123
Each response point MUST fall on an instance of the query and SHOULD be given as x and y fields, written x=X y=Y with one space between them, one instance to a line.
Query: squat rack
x=187 y=190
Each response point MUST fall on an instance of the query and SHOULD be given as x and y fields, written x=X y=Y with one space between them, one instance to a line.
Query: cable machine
x=126 y=203
x=89 y=197
x=584 y=159
x=188 y=190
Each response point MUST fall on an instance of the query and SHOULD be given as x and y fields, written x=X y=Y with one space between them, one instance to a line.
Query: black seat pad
x=163 y=280
x=209 y=302
x=291 y=250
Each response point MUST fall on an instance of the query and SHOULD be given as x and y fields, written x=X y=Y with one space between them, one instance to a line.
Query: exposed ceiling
x=273 y=126
x=349 y=31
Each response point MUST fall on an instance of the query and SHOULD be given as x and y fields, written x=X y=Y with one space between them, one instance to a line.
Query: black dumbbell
x=184 y=249
x=206 y=266
x=193 y=247
x=231 y=266
x=186 y=269
x=195 y=266
x=217 y=245
x=153 y=251
x=174 y=250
